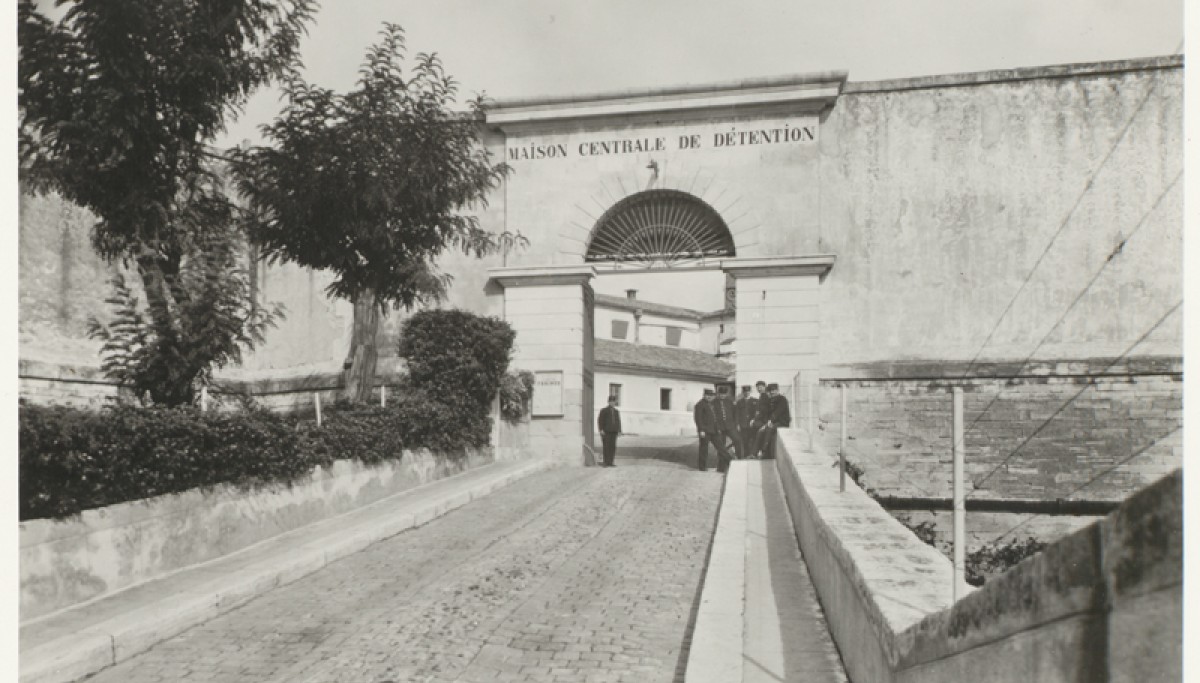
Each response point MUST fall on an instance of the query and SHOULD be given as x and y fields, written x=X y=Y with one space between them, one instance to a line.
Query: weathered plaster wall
x=940 y=195
x=62 y=281
x=69 y=561
x=765 y=193
x=640 y=408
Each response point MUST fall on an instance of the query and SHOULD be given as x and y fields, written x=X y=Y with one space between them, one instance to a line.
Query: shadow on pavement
x=655 y=451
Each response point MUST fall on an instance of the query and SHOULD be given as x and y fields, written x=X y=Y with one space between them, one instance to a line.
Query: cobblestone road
x=568 y=575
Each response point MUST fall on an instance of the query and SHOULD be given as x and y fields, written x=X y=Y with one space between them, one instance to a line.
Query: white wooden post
x=382 y=395
x=317 y=402
x=812 y=416
x=204 y=399
x=960 y=512
x=842 y=450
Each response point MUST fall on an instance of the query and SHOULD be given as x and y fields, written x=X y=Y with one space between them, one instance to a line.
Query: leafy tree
x=119 y=103
x=373 y=186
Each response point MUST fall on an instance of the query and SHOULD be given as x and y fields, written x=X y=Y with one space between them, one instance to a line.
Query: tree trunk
x=364 y=355
x=169 y=378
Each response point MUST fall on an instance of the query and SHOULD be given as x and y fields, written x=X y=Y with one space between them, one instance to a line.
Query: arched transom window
x=660 y=228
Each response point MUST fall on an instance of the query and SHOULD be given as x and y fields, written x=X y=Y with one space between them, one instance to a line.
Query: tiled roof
x=626 y=304
x=666 y=358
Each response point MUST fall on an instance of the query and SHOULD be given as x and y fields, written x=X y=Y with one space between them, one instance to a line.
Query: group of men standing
x=750 y=422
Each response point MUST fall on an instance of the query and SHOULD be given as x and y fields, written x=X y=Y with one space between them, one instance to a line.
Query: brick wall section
x=899 y=428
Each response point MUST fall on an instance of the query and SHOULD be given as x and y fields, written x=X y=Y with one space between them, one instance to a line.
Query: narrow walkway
x=786 y=637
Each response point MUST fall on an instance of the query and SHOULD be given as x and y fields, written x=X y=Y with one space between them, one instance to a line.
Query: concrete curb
x=718 y=639
x=73 y=656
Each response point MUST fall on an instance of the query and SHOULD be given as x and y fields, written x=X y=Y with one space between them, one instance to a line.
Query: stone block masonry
x=1056 y=430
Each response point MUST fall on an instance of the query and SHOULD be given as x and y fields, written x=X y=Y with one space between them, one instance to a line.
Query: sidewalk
x=74 y=643
x=759 y=619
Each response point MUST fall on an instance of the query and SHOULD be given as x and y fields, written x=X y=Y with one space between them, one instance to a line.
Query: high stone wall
x=940 y=195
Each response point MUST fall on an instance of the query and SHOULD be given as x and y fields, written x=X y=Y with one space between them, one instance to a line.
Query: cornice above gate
x=789 y=94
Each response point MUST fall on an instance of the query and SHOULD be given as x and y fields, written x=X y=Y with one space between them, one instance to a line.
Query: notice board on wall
x=547 y=394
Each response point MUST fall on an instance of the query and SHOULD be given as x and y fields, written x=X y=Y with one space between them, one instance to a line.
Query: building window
x=615 y=390
x=664 y=399
x=620 y=328
x=673 y=335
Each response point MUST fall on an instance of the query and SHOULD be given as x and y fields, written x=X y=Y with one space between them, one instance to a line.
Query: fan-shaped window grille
x=660 y=227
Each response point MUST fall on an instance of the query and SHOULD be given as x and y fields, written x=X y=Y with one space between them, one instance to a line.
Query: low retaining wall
x=1103 y=604
x=67 y=562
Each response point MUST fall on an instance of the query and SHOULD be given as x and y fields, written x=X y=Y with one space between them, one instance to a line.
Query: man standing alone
x=609 y=424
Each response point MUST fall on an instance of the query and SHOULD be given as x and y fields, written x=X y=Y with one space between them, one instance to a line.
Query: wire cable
x=1091 y=481
x=1062 y=226
x=1090 y=383
x=1119 y=249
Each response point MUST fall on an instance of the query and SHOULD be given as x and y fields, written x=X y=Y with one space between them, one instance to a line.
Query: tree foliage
x=375 y=184
x=119 y=102
x=216 y=319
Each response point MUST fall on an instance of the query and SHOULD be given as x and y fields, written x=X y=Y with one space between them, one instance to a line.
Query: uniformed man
x=779 y=414
x=761 y=414
x=727 y=423
x=745 y=409
x=709 y=430
x=609 y=424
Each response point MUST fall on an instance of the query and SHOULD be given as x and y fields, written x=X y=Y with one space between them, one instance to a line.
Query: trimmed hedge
x=73 y=460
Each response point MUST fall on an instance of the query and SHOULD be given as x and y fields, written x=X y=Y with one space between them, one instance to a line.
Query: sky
x=529 y=48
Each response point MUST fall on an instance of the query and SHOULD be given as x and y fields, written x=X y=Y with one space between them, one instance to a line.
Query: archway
x=660 y=228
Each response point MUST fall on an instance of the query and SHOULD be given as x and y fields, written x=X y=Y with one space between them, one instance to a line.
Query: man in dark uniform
x=761 y=414
x=745 y=409
x=609 y=424
x=727 y=423
x=779 y=415
x=709 y=429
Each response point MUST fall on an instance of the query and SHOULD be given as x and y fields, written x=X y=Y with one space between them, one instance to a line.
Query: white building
x=657 y=360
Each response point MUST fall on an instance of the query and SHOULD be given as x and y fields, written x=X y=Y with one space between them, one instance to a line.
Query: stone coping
x=1018 y=74
x=1033 y=369
x=888 y=599
x=1094 y=574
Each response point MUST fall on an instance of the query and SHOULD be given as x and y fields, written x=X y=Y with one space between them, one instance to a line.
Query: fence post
x=960 y=512
x=204 y=399
x=812 y=417
x=842 y=450
x=317 y=402
x=382 y=395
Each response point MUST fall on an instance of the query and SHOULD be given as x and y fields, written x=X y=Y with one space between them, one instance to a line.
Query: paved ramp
x=572 y=574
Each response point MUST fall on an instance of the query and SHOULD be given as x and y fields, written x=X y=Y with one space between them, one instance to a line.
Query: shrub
x=366 y=434
x=993 y=560
x=516 y=389
x=73 y=460
x=456 y=356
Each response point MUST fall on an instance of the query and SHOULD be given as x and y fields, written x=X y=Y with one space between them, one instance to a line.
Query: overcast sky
x=523 y=48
